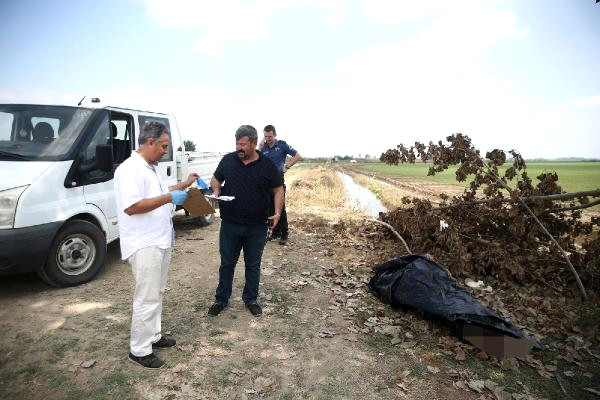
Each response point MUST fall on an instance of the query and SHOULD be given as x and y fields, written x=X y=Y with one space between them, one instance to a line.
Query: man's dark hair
x=270 y=128
x=152 y=130
x=246 y=130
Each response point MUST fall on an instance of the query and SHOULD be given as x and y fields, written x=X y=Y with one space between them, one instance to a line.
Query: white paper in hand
x=220 y=198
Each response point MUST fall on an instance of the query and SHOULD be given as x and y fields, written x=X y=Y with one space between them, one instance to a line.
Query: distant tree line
x=188 y=145
x=359 y=157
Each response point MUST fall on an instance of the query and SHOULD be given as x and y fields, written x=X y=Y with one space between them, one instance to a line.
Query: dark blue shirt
x=278 y=153
x=252 y=185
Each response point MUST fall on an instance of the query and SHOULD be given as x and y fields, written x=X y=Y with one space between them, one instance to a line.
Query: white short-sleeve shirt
x=135 y=180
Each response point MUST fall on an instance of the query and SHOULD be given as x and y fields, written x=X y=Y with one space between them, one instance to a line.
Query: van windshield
x=41 y=133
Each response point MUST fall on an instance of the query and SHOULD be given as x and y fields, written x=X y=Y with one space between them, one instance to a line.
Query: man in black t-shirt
x=254 y=182
x=277 y=151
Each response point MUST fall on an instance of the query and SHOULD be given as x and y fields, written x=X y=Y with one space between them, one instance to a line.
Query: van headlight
x=8 y=206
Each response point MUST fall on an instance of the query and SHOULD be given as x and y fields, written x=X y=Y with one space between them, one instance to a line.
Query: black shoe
x=164 y=342
x=283 y=240
x=254 y=309
x=216 y=309
x=149 y=361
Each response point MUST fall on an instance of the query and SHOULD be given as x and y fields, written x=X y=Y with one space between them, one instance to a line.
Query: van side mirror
x=103 y=161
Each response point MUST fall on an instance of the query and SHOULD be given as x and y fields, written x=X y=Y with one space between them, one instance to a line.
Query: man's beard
x=241 y=154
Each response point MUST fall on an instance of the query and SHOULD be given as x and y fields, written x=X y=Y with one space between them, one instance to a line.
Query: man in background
x=277 y=151
x=144 y=212
x=254 y=182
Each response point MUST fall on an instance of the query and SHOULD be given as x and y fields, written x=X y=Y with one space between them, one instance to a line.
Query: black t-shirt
x=251 y=184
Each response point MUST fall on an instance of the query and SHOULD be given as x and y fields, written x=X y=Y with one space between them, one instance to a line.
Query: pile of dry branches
x=503 y=224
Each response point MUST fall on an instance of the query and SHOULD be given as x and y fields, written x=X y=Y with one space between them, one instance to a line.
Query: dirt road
x=73 y=342
x=322 y=334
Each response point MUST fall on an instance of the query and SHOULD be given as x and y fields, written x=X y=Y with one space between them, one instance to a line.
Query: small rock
x=433 y=370
x=476 y=385
x=88 y=364
x=179 y=368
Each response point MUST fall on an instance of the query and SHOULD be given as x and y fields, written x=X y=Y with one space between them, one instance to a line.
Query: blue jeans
x=233 y=238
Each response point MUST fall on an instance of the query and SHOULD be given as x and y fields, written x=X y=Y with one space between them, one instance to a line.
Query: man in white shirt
x=144 y=212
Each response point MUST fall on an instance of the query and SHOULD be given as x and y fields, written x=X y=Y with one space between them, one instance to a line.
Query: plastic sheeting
x=416 y=282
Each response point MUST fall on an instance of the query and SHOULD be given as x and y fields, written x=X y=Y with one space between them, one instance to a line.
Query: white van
x=57 y=207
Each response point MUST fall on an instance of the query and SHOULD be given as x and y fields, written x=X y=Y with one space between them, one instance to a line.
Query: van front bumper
x=26 y=249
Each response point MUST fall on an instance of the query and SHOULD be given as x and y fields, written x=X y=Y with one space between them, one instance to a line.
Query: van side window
x=121 y=129
x=44 y=129
x=6 y=126
x=101 y=136
x=143 y=119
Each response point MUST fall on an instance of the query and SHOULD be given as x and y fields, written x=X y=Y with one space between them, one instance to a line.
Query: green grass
x=418 y=369
x=251 y=363
x=378 y=342
x=294 y=338
x=59 y=349
x=334 y=385
x=98 y=344
x=572 y=176
x=222 y=377
x=58 y=383
x=223 y=343
x=411 y=171
x=32 y=368
x=284 y=302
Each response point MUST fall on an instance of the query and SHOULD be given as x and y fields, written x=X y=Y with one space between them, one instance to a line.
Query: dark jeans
x=281 y=230
x=233 y=238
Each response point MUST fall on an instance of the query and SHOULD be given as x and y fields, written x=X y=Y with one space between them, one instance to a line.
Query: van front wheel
x=76 y=256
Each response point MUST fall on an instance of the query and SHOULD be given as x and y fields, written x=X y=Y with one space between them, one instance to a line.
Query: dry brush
x=504 y=224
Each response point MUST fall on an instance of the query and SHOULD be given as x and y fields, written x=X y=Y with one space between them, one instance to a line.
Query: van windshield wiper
x=14 y=156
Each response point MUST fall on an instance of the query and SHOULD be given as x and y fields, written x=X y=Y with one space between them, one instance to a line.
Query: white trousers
x=150 y=266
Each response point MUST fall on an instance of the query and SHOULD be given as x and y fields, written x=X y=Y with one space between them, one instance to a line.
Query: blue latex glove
x=201 y=183
x=178 y=197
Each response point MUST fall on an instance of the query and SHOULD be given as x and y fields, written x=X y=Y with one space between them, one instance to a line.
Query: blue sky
x=334 y=77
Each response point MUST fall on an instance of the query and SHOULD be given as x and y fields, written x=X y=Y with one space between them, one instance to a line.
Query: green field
x=572 y=176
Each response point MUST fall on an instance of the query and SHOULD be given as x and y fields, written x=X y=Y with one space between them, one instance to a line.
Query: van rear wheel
x=204 y=220
x=76 y=256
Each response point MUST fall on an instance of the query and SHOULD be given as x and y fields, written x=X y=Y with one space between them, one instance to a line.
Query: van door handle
x=168 y=171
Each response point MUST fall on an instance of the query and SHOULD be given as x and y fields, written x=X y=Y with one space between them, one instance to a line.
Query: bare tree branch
x=535 y=218
x=561 y=385
x=579 y=207
x=393 y=230
x=562 y=196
